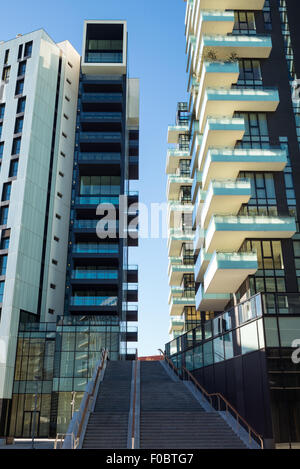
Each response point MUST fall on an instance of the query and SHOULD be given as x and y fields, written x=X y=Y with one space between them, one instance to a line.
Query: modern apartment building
x=234 y=264
x=69 y=132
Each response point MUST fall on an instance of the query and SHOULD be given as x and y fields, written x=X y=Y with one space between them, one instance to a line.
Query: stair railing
x=134 y=403
x=229 y=409
x=75 y=433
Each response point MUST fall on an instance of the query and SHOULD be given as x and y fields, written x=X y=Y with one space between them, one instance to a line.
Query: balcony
x=232 y=4
x=175 y=240
x=227 y=271
x=101 y=117
x=211 y=22
x=211 y=301
x=131 y=292
x=175 y=212
x=173 y=158
x=97 y=158
x=175 y=130
x=84 y=274
x=174 y=184
x=90 y=249
x=94 y=301
x=227 y=233
x=201 y=264
x=132 y=273
x=102 y=97
x=228 y=162
x=131 y=313
x=85 y=224
x=176 y=324
x=224 y=132
x=130 y=334
x=96 y=200
x=224 y=102
x=177 y=304
x=253 y=47
x=225 y=197
x=176 y=270
x=92 y=137
x=215 y=75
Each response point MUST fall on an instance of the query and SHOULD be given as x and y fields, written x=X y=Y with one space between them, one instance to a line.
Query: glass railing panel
x=94 y=301
x=95 y=274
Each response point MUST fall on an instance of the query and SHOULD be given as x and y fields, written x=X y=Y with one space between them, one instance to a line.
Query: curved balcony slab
x=174 y=184
x=224 y=132
x=227 y=271
x=211 y=301
x=175 y=130
x=228 y=162
x=225 y=197
x=227 y=233
x=173 y=158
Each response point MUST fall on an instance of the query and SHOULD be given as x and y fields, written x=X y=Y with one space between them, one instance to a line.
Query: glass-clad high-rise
x=69 y=147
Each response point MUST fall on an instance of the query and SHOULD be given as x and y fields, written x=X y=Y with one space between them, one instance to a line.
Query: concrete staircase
x=171 y=417
x=108 y=424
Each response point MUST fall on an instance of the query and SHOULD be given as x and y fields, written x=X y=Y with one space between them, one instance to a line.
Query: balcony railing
x=96 y=248
x=94 y=274
x=94 y=301
x=99 y=156
x=96 y=200
x=99 y=136
x=104 y=57
x=101 y=97
x=100 y=116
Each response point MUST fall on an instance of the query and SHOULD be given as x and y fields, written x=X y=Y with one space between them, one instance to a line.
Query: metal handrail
x=134 y=403
x=79 y=420
x=220 y=398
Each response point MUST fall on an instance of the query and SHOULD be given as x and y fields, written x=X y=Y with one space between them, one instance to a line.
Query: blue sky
x=157 y=57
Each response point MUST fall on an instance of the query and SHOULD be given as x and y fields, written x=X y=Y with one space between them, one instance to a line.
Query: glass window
x=189 y=362
x=260 y=329
x=16 y=147
x=13 y=168
x=6 y=191
x=28 y=49
x=289 y=330
x=1 y=291
x=3 y=264
x=208 y=329
x=6 y=57
x=271 y=332
x=5 y=73
x=218 y=349
x=228 y=345
x=3 y=215
x=21 y=105
x=2 y=110
x=19 y=125
x=1 y=149
x=249 y=338
x=19 y=87
x=22 y=68
x=208 y=353
x=198 y=357
x=4 y=243
x=20 y=51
